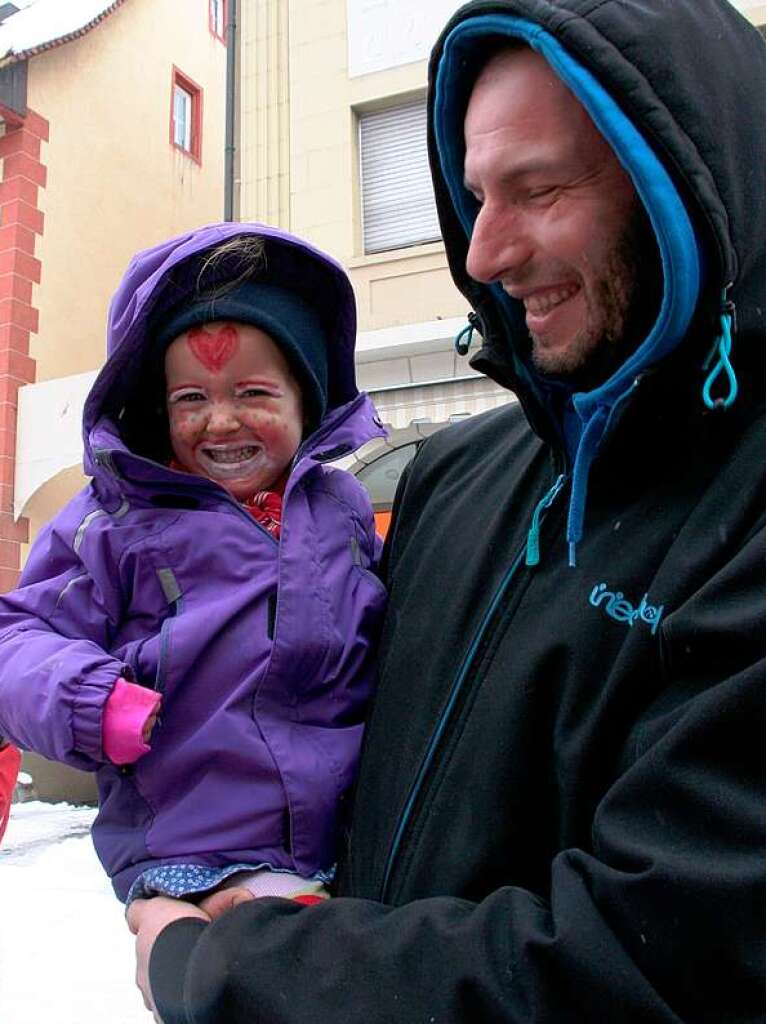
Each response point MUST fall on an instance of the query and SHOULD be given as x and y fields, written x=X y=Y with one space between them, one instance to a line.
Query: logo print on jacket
x=618 y=608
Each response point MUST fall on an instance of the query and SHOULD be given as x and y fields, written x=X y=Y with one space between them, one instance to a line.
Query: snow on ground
x=66 y=955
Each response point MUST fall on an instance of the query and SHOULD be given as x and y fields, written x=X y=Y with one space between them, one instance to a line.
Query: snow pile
x=66 y=954
x=45 y=21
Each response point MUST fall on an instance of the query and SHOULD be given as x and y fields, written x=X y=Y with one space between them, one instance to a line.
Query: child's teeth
x=231 y=455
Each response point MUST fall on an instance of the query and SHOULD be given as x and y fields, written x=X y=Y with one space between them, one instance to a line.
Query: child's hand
x=220 y=902
x=150 y=723
x=130 y=715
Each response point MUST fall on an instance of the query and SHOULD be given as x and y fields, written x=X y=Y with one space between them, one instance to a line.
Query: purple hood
x=156 y=277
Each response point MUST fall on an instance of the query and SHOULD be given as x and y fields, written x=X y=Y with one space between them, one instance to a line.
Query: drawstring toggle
x=465 y=337
x=723 y=366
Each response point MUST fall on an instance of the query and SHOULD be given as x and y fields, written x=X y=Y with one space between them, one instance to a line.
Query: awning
x=440 y=402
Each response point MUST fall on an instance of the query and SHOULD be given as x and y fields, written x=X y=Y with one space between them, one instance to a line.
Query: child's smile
x=234 y=407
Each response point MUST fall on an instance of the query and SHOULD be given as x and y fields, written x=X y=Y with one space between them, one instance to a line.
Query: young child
x=215 y=577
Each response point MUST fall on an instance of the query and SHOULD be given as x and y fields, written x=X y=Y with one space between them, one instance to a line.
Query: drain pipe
x=231 y=111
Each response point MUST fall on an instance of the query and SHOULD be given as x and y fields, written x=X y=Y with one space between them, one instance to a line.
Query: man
x=560 y=814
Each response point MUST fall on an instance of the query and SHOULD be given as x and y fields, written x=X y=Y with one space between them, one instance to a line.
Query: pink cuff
x=126 y=712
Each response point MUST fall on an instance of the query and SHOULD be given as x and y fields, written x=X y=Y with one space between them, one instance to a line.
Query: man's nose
x=499 y=245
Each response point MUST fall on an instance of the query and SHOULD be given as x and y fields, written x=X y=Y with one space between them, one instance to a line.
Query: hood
x=671 y=87
x=155 y=280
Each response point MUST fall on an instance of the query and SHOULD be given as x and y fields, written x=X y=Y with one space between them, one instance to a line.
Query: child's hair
x=229 y=265
x=217 y=278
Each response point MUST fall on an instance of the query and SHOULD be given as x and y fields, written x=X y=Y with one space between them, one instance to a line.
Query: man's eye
x=544 y=193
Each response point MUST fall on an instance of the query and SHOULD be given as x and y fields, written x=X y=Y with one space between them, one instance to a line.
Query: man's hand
x=146 y=919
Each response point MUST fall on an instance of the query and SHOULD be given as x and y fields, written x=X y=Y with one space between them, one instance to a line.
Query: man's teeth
x=230 y=455
x=544 y=302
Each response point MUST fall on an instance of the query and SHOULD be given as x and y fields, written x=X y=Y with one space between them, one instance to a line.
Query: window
x=186 y=115
x=218 y=10
x=381 y=477
x=182 y=117
x=398 y=207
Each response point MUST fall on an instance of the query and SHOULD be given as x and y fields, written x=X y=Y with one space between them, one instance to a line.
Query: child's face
x=235 y=409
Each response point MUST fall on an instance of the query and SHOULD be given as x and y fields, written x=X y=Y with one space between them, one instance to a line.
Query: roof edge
x=33 y=51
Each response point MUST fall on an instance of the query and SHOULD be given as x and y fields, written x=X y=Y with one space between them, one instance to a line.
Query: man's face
x=560 y=223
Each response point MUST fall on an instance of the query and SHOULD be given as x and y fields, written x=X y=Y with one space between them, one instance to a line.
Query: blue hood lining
x=678 y=244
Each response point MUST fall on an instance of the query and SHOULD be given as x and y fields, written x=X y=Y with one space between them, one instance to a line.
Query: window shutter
x=398 y=207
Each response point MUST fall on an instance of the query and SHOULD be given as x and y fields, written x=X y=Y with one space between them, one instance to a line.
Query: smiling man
x=560 y=811
x=544 y=176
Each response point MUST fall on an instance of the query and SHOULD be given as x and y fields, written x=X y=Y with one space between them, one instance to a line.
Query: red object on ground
x=10 y=761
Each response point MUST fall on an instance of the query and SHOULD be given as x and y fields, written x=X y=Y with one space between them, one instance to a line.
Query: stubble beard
x=619 y=313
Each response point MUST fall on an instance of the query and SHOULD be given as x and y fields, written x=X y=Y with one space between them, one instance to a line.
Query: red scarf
x=265 y=506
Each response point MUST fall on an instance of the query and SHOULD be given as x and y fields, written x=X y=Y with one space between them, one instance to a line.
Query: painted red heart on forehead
x=214 y=348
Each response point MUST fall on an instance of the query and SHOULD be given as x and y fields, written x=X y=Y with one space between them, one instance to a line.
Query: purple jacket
x=262 y=649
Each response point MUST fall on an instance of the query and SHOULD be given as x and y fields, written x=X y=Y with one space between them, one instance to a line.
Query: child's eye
x=186 y=396
x=253 y=393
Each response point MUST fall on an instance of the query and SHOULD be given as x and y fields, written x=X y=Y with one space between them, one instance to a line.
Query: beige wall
x=115 y=184
x=755 y=10
x=264 y=90
x=298 y=78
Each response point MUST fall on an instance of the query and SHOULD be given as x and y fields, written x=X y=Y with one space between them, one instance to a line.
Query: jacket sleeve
x=661 y=919
x=55 y=629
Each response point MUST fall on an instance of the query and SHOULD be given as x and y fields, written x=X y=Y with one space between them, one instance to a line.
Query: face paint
x=214 y=348
x=239 y=425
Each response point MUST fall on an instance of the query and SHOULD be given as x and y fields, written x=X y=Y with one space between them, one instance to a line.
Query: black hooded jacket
x=561 y=812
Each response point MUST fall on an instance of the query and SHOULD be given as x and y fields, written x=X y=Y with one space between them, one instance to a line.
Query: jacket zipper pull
x=721 y=352
x=533 y=537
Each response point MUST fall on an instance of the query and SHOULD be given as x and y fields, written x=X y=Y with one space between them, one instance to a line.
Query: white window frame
x=182 y=125
x=218 y=17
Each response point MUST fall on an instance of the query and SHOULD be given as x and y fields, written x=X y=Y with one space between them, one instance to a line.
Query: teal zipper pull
x=533 y=537
x=722 y=350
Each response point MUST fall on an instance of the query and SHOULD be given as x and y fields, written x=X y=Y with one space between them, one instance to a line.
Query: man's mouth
x=543 y=302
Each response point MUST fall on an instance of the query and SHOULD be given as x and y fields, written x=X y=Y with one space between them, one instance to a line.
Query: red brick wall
x=23 y=175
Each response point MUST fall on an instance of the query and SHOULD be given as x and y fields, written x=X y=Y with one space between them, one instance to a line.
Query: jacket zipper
x=458 y=686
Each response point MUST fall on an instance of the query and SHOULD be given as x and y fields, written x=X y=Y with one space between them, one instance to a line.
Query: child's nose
x=223 y=419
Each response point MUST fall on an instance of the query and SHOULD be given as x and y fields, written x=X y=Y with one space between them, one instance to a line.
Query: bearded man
x=561 y=813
